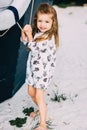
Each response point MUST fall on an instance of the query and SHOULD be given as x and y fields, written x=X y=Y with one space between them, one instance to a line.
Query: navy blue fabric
x=15 y=12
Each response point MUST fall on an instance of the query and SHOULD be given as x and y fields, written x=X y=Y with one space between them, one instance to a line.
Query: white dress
x=41 y=63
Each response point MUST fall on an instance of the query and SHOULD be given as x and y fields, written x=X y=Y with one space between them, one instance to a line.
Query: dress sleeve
x=24 y=42
x=32 y=46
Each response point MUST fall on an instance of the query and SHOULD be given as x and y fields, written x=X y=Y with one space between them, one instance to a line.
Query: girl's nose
x=43 y=24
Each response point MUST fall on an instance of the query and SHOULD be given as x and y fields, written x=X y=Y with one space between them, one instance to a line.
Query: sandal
x=41 y=127
x=34 y=114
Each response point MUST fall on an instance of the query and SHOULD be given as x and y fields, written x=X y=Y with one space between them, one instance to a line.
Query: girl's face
x=44 y=22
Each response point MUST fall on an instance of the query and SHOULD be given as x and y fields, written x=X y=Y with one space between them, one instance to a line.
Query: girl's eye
x=39 y=20
x=47 y=21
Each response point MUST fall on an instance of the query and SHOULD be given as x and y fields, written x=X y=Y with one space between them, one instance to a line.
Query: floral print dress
x=41 y=63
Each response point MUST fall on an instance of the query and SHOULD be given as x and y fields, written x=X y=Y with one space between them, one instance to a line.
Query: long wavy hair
x=47 y=9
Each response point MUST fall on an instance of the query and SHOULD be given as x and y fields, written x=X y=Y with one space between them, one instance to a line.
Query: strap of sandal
x=37 y=112
x=43 y=125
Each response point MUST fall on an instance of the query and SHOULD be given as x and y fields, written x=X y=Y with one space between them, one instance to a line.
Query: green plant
x=58 y=97
x=18 y=121
x=65 y=3
x=27 y=111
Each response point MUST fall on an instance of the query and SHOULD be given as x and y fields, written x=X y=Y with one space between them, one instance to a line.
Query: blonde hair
x=47 y=9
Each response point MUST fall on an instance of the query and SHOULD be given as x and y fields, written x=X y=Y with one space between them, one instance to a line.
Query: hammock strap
x=15 y=12
x=31 y=13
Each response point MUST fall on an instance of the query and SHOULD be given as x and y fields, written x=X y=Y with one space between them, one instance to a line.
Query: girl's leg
x=42 y=108
x=32 y=93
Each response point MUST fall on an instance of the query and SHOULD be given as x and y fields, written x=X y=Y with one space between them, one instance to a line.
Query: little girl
x=42 y=41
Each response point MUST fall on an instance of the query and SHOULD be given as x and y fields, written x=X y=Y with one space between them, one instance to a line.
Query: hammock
x=16 y=15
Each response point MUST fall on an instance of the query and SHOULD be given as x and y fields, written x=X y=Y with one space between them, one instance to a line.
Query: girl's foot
x=41 y=127
x=34 y=114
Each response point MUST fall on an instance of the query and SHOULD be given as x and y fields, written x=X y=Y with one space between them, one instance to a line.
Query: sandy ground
x=70 y=79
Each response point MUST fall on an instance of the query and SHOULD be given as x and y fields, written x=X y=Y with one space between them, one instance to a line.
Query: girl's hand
x=26 y=33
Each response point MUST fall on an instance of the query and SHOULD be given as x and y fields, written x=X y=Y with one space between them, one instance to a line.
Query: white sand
x=70 y=78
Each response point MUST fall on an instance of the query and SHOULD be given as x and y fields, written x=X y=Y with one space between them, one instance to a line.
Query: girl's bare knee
x=31 y=91
x=39 y=96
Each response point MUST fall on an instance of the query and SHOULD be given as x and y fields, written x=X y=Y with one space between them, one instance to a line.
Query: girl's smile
x=44 y=22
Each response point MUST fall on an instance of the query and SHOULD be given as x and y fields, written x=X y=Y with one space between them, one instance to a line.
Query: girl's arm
x=26 y=33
